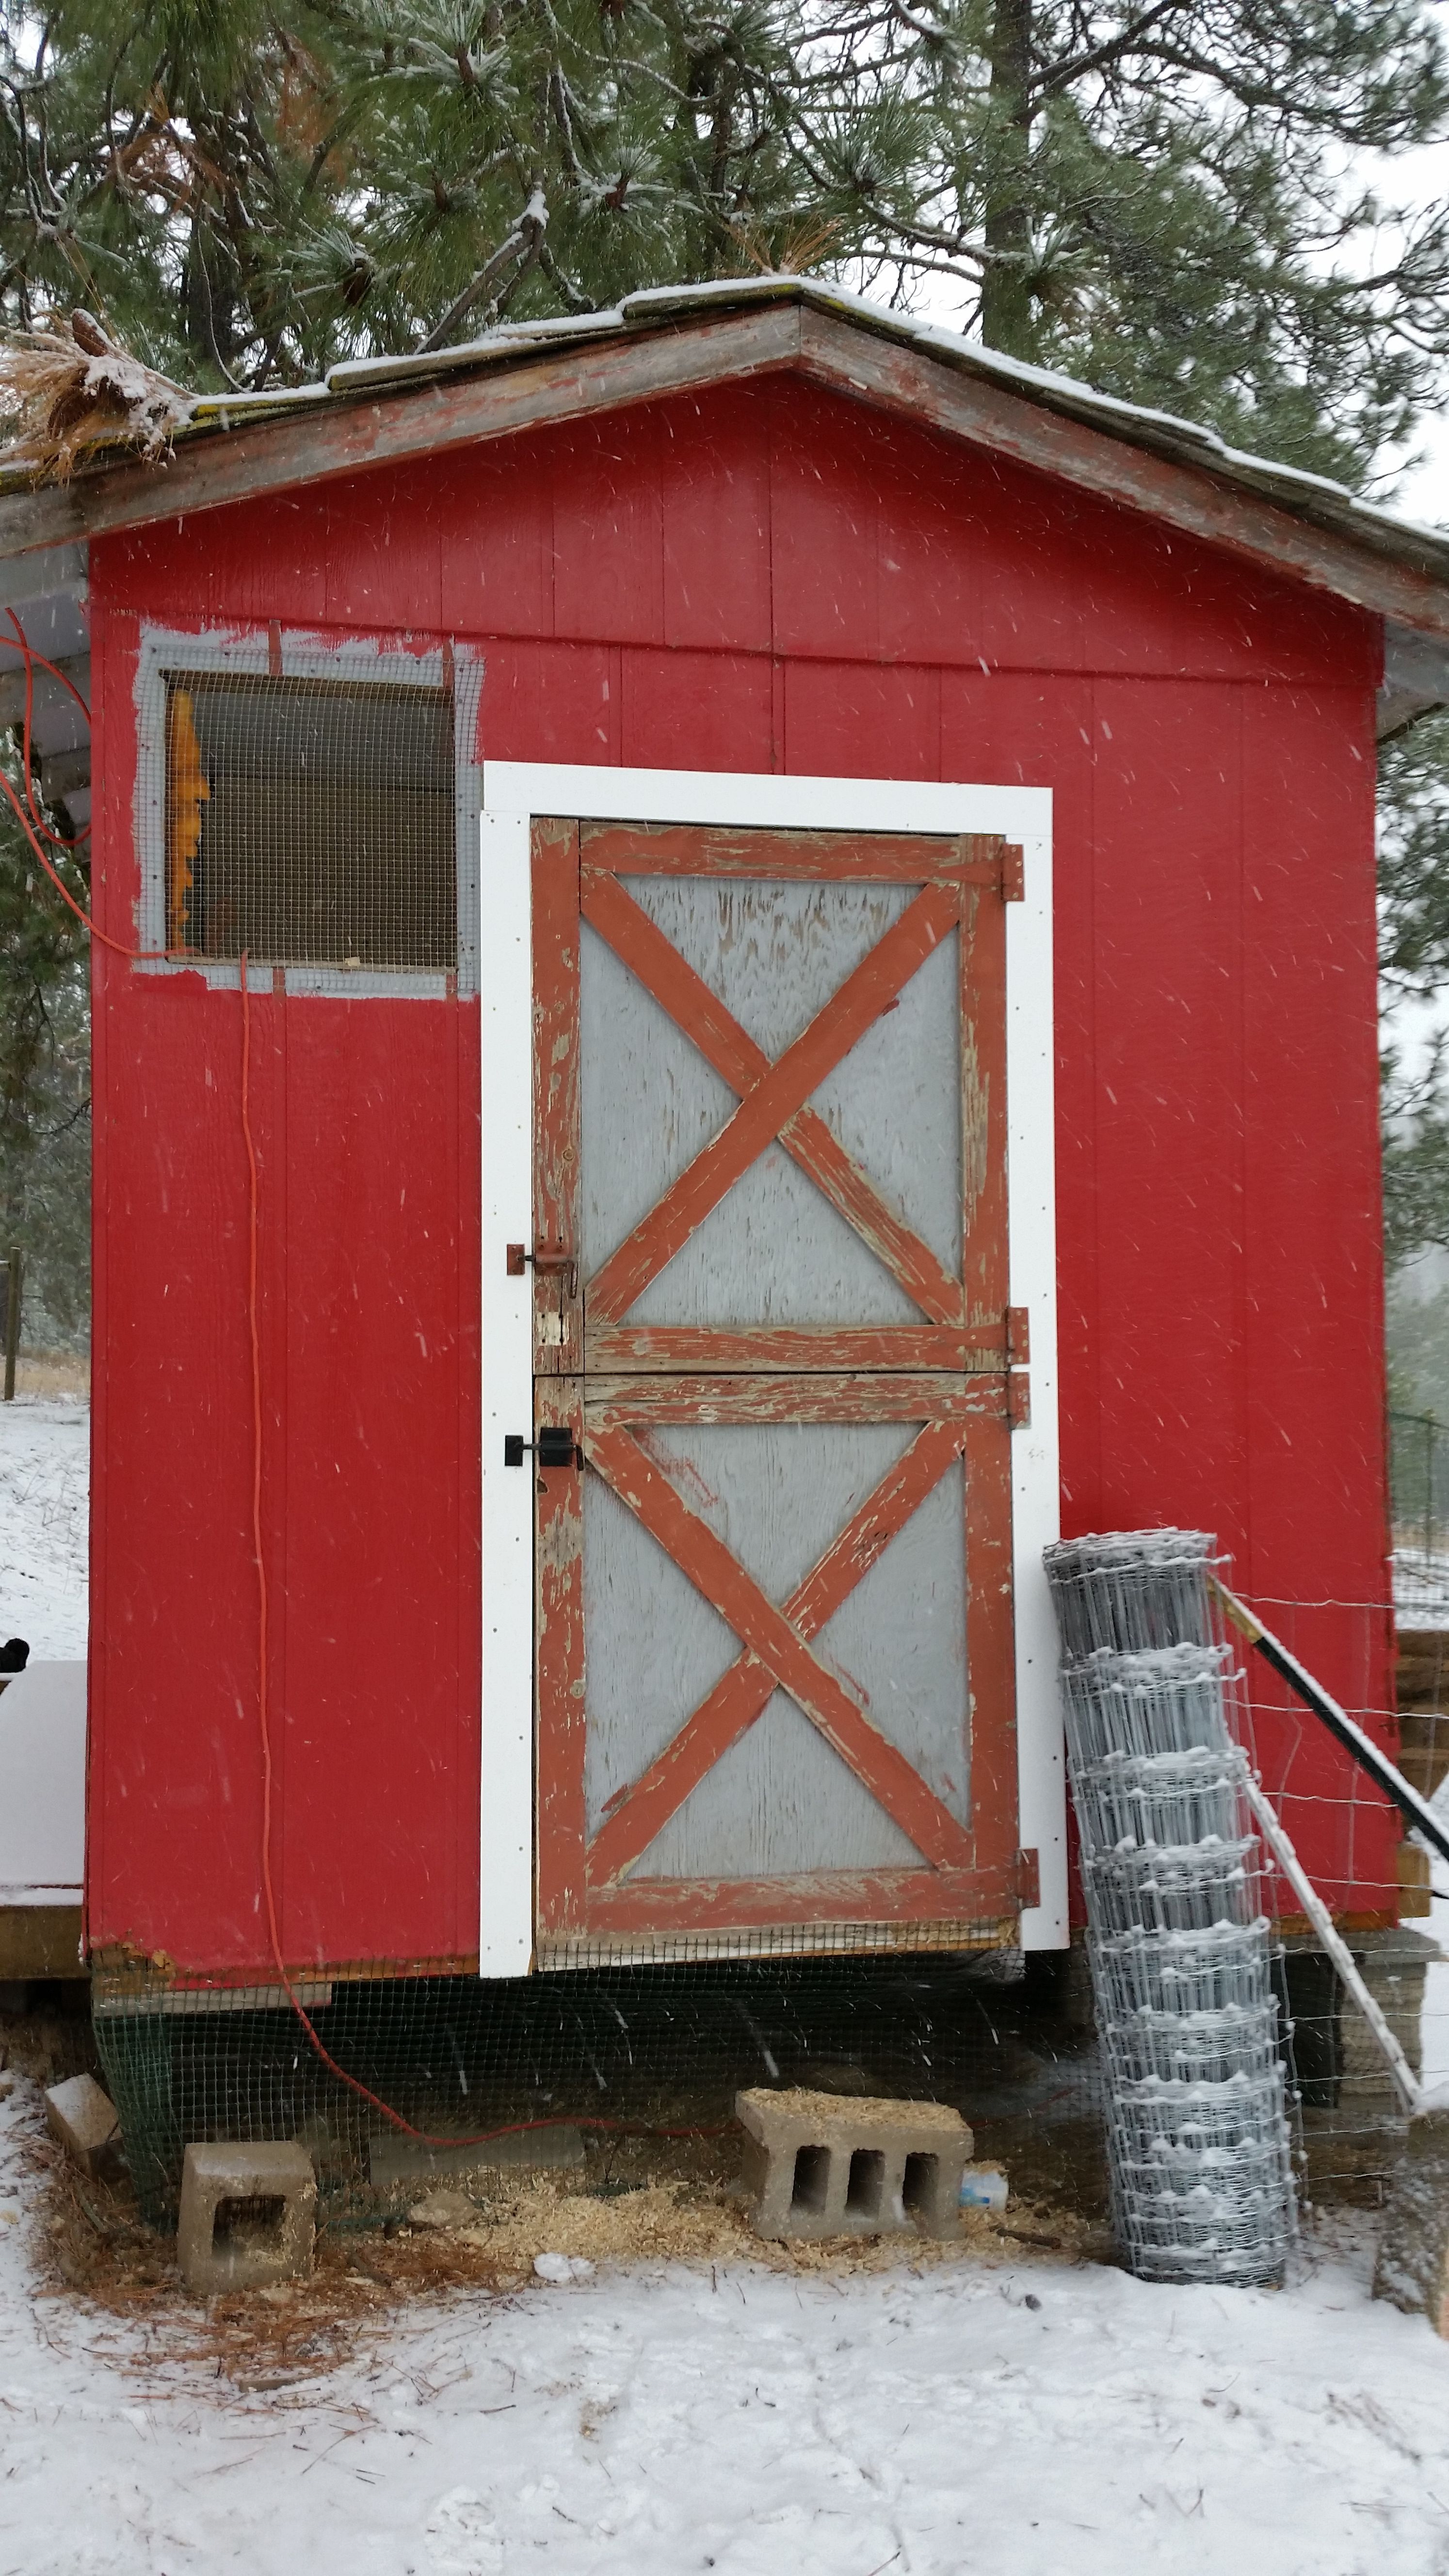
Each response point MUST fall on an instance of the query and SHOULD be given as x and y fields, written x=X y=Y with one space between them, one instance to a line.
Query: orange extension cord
x=33 y=825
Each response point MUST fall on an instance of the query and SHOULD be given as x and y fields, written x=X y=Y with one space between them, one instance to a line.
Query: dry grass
x=69 y=390
x=52 y=1373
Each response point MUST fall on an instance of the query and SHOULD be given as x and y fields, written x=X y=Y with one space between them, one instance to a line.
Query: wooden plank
x=613 y=1403
x=776 y=1097
x=734 y=1055
x=559 y=1667
x=789 y=1350
x=344 y=435
x=991 y=1638
x=557 y=1306
x=640 y=1811
x=833 y=1896
x=41 y=1941
x=870 y=858
x=722 y=1580
x=985 y=1266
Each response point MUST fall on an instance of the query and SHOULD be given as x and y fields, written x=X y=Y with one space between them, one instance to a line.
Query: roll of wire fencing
x=1178 y=1936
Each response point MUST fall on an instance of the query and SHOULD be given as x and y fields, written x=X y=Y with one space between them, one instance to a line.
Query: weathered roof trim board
x=1416 y=679
x=278 y=455
x=677 y=340
x=1186 y=497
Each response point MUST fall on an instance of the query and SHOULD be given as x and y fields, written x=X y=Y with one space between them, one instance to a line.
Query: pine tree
x=1146 y=192
x=1151 y=194
x=44 y=1083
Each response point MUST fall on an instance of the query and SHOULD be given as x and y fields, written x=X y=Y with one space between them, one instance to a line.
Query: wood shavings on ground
x=93 y=2244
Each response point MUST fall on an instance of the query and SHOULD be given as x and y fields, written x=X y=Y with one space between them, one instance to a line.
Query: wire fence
x=1419 y=1491
x=1395 y=1923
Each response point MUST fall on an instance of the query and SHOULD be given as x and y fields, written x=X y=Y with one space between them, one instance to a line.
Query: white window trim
x=304 y=656
x=513 y=793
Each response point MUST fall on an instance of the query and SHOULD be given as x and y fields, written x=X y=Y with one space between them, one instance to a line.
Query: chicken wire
x=1178 y=1937
x=645 y=2061
x=310 y=821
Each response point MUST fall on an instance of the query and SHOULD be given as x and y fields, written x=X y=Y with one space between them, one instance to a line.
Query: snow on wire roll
x=1177 y=1937
x=1131 y=1591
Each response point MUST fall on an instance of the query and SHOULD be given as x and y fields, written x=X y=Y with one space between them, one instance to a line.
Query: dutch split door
x=774 y=1383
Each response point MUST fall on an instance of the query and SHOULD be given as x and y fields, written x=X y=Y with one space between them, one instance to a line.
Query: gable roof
x=674 y=340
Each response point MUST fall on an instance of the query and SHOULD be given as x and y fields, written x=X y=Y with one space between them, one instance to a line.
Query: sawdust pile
x=92 y=2244
x=69 y=390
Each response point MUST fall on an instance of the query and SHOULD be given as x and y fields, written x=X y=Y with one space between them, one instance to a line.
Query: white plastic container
x=983 y=2187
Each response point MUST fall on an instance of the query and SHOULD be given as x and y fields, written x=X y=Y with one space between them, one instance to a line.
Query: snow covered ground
x=1021 y=2420
x=1019 y=2417
x=44 y=1482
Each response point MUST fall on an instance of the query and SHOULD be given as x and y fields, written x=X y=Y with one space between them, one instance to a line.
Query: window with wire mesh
x=310 y=822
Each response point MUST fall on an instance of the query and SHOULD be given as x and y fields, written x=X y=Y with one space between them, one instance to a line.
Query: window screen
x=310 y=822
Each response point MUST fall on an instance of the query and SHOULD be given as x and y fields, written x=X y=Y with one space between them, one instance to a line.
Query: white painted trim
x=1031 y=1233
x=505 y=1926
x=738 y=798
x=513 y=792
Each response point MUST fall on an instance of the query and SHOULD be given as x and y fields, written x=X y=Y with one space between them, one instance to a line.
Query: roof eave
x=1296 y=525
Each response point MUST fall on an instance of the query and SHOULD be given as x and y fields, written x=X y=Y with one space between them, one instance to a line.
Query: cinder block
x=84 y=2119
x=818 y=2164
x=248 y=2217
x=1413 y=2264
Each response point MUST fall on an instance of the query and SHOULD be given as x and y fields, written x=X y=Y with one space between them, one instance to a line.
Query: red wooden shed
x=723 y=885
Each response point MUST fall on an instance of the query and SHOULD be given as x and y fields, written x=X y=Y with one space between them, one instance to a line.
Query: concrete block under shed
x=819 y=2164
x=248 y=2217
x=83 y=2117
x=1413 y=2264
x=395 y=2162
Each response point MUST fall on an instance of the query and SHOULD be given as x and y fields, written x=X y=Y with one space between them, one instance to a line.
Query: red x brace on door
x=774 y=1605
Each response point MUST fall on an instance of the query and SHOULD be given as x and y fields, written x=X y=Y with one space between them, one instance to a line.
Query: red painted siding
x=761 y=579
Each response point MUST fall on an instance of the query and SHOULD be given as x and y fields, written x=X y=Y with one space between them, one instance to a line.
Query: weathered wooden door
x=773 y=1383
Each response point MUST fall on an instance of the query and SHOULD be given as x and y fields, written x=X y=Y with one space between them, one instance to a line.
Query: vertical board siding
x=365 y=1122
x=1168 y=807
x=766 y=577
x=1316 y=1503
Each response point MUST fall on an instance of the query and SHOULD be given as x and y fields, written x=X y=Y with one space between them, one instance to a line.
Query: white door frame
x=513 y=793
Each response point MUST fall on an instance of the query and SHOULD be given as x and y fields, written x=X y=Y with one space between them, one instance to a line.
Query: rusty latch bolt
x=549 y=1260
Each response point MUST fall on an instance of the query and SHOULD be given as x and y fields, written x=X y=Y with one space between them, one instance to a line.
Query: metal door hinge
x=1018 y=1336
x=1018 y=1400
x=554 y=1447
x=549 y=1260
x=1028 y=1877
x=1013 y=873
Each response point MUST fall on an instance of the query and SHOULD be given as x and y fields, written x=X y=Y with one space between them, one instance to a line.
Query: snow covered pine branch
x=68 y=389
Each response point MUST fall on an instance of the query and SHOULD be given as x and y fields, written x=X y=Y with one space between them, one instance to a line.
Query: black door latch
x=556 y=1447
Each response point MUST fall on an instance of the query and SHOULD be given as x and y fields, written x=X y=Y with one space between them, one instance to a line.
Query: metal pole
x=12 y=1318
x=1428 y=1493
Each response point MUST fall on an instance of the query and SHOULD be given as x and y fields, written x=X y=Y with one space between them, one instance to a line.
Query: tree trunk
x=1007 y=316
